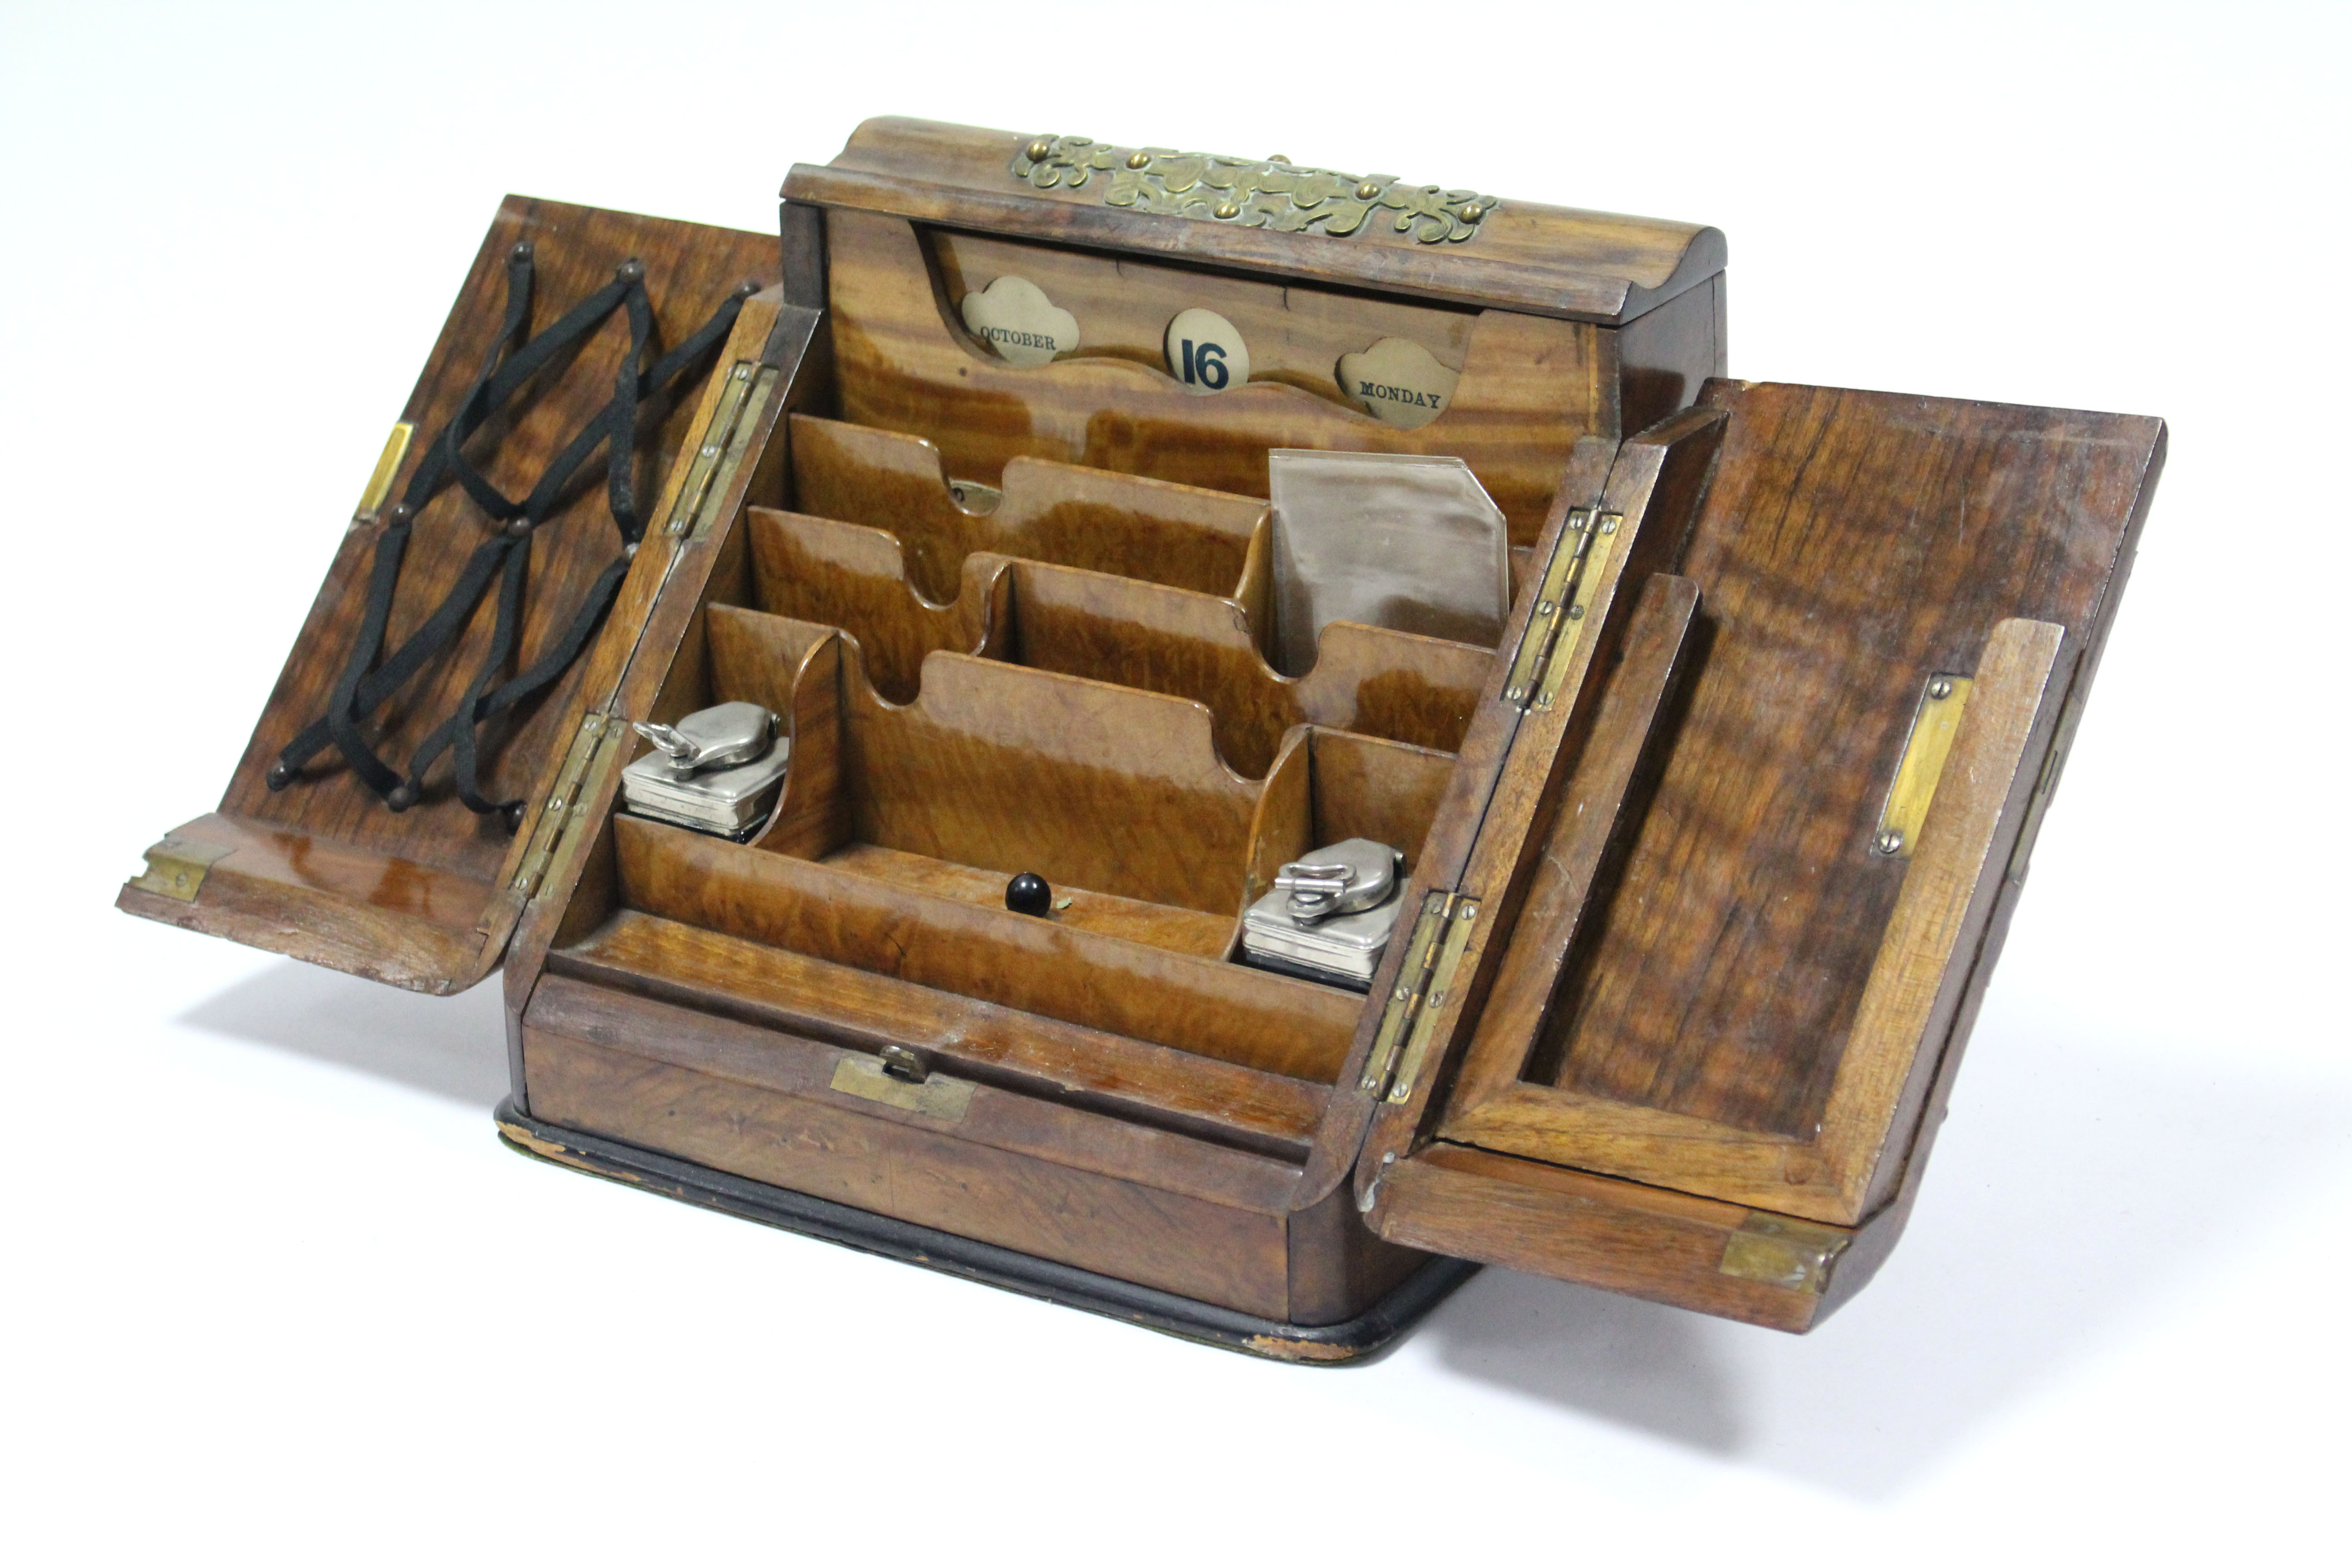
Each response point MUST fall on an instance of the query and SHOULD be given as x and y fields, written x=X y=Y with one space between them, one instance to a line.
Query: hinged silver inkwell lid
x=1330 y=915
x=717 y=770
x=719 y=737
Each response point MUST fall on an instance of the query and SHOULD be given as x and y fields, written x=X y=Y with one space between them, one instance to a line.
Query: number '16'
x=1205 y=366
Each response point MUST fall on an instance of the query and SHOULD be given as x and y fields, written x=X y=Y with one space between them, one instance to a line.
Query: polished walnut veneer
x=1685 y=1018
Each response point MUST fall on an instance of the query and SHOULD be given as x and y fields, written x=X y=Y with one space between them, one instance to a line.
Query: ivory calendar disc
x=1205 y=355
x=1397 y=382
x=1013 y=317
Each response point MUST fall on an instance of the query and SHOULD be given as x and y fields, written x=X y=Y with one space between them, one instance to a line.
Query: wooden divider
x=1153 y=530
x=1227 y=1011
x=1529 y=386
x=1370 y=680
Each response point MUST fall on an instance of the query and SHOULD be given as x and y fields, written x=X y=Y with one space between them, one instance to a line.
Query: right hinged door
x=1748 y=856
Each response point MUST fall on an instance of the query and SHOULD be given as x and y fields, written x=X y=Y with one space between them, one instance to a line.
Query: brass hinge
x=1409 y=1021
x=719 y=454
x=600 y=735
x=176 y=868
x=1563 y=600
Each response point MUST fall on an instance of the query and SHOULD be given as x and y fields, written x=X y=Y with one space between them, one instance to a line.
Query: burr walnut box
x=1708 y=841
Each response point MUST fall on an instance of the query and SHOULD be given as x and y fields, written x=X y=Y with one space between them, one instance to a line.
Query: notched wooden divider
x=1370 y=680
x=900 y=826
x=1207 y=540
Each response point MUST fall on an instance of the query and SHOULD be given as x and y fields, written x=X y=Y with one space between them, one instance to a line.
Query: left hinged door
x=481 y=661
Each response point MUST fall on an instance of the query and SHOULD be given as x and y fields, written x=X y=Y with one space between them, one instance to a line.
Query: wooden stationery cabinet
x=1708 y=845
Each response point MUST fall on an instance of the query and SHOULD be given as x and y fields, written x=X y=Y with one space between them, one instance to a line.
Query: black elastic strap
x=616 y=430
x=512 y=360
x=346 y=706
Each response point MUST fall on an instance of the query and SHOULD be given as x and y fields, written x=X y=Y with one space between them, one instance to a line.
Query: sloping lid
x=1734 y=896
x=1374 y=231
x=426 y=898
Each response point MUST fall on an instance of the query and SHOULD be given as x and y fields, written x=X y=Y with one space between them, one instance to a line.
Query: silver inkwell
x=717 y=770
x=1329 y=916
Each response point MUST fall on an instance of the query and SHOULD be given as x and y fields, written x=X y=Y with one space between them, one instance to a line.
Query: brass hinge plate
x=1941 y=703
x=1563 y=603
x=719 y=454
x=388 y=468
x=1790 y=1253
x=1404 y=998
x=1460 y=918
x=1409 y=1021
x=599 y=736
x=178 y=866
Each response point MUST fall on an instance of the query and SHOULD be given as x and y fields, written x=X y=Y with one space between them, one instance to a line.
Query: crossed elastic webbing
x=513 y=359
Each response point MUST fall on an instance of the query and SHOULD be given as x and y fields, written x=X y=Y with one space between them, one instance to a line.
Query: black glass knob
x=1027 y=894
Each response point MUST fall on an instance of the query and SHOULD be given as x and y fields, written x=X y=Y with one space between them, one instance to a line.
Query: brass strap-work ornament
x=1263 y=193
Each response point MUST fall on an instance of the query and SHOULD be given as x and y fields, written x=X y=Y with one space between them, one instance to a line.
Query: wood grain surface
x=1557 y=260
x=749 y=1100
x=1182 y=535
x=1852 y=545
x=823 y=1001
x=689 y=268
x=357 y=924
x=1530 y=388
x=1082 y=976
x=1370 y=680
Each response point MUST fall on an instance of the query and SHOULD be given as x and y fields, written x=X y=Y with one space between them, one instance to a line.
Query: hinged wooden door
x=1736 y=896
x=428 y=898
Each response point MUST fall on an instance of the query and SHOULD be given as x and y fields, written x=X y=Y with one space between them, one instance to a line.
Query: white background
x=270 y=1291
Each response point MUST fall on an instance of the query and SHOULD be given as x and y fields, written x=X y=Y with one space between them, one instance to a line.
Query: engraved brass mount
x=1265 y=193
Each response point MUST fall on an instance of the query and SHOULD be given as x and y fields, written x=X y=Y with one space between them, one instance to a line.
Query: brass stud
x=1890 y=842
x=1366 y=191
x=1279 y=158
x=1139 y=160
x=1038 y=149
x=1473 y=212
x=1227 y=209
x=1939 y=689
